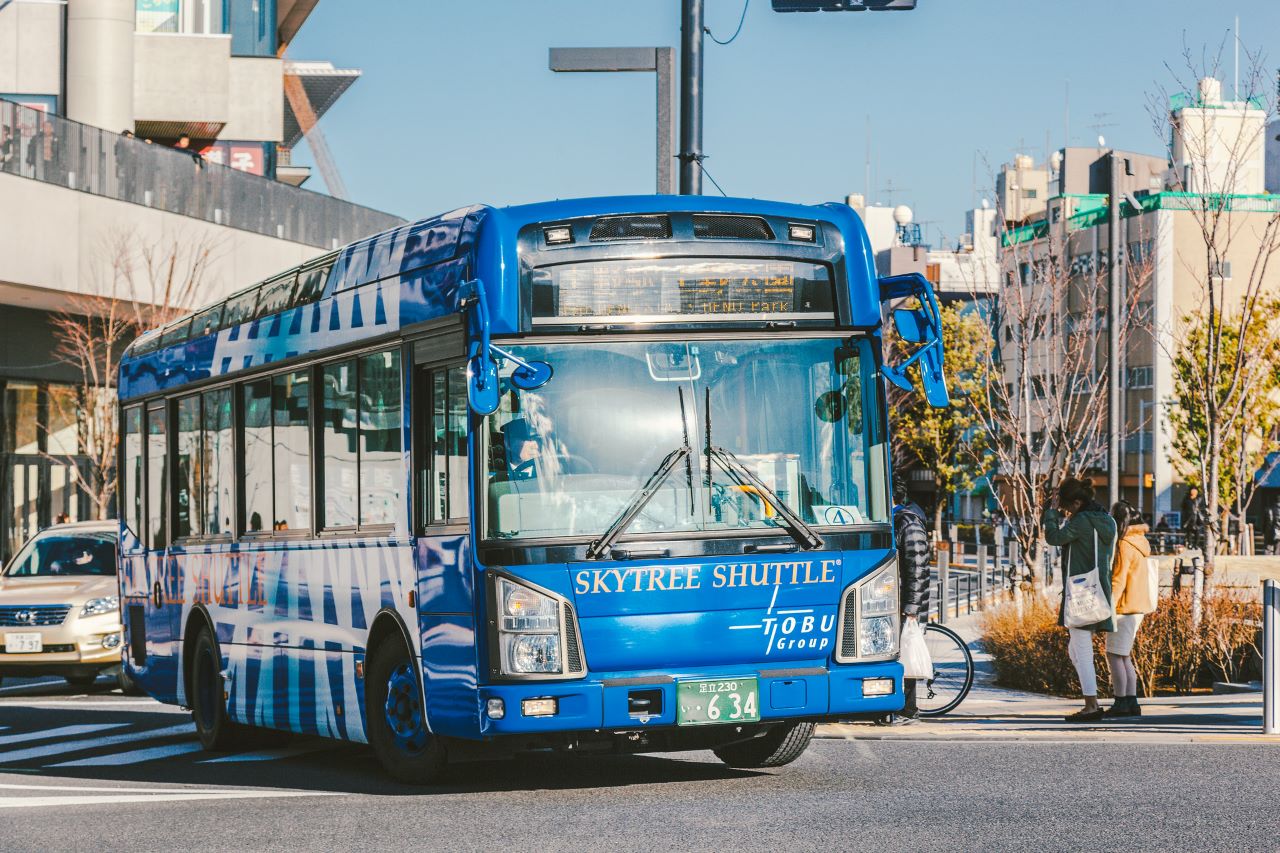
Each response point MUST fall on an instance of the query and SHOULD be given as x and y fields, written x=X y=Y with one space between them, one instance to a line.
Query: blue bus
x=596 y=474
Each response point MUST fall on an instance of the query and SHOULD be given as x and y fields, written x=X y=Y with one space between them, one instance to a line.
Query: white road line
x=273 y=754
x=61 y=731
x=15 y=688
x=135 y=756
x=100 y=799
x=37 y=702
x=50 y=750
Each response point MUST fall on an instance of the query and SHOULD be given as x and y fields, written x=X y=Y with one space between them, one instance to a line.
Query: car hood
x=67 y=590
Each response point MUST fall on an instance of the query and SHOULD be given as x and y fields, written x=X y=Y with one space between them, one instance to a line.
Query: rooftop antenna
x=1099 y=123
x=1235 y=86
x=1066 y=115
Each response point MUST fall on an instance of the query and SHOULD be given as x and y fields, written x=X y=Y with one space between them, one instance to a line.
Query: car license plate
x=16 y=644
x=717 y=700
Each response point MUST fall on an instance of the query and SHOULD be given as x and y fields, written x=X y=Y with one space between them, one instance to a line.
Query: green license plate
x=718 y=700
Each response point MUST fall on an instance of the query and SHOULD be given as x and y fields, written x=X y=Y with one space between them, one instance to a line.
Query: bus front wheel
x=397 y=718
x=781 y=745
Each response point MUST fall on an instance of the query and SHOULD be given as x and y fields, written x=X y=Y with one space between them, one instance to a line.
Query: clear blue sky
x=457 y=105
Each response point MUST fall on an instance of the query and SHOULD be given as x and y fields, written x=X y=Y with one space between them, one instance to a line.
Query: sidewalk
x=995 y=713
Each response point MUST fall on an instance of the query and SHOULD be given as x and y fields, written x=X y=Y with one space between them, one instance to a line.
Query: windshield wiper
x=602 y=545
x=804 y=535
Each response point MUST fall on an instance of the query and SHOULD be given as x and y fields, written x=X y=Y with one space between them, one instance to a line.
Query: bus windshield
x=566 y=459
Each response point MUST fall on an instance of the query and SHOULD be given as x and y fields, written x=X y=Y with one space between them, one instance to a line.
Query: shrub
x=1029 y=648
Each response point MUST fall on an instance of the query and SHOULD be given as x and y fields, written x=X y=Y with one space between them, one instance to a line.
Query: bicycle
x=952 y=672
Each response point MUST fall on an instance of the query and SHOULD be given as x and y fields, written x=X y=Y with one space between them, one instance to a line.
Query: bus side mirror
x=920 y=326
x=482 y=356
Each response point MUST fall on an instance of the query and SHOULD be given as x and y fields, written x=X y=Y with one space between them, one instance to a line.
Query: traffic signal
x=843 y=5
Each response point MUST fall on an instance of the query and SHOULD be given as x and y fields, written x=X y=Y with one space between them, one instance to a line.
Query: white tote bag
x=1083 y=600
x=916 y=661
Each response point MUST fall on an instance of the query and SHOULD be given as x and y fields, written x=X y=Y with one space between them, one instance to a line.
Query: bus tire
x=217 y=732
x=396 y=715
x=780 y=746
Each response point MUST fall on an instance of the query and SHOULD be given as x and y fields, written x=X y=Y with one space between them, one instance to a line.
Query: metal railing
x=967 y=576
x=88 y=159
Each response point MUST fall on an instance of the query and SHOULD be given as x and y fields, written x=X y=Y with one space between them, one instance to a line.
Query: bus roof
x=330 y=298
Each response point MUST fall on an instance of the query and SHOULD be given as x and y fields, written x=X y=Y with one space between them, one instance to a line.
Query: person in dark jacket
x=1195 y=515
x=1089 y=535
x=915 y=553
x=1273 y=527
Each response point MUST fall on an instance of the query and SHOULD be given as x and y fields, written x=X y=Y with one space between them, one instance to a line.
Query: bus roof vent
x=657 y=227
x=721 y=227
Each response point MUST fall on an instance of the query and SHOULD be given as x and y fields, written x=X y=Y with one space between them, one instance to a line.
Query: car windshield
x=568 y=458
x=57 y=555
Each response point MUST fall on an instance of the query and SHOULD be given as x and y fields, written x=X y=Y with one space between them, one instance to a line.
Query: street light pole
x=660 y=60
x=690 y=155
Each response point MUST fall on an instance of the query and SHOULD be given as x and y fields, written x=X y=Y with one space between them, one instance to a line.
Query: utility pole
x=1115 y=283
x=690 y=155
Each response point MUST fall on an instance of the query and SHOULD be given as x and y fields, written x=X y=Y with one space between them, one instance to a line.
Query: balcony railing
x=68 y=154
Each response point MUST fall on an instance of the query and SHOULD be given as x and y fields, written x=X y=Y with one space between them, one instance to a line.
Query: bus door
x=442 y=511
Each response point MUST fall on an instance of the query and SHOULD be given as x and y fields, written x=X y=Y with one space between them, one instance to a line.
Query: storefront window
x=21 y=418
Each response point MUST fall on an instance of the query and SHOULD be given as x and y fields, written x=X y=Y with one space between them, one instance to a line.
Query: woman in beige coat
x=1134 y=595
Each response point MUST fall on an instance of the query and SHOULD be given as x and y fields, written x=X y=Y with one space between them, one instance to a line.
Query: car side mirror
x=483 y=357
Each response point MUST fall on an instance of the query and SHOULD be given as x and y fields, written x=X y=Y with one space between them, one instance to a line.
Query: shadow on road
x=304 y=763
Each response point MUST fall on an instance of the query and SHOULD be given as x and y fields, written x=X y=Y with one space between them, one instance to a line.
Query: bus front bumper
x=649 y=702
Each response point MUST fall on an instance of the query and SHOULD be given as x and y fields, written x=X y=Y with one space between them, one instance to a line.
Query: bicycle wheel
x=952 y=672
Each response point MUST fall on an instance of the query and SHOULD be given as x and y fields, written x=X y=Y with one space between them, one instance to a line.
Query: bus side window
x=131 y=478
x=157 y=497
x=441 y=395
x=189 y=469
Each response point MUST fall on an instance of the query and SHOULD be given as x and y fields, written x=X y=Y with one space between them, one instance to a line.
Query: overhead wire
x=741 y=21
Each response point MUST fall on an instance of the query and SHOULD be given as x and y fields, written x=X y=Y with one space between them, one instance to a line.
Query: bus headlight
x=868 y=617
x=878 y=614
x=529 y=637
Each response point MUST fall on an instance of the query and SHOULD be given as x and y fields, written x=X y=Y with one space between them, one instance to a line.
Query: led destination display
x=678 y=289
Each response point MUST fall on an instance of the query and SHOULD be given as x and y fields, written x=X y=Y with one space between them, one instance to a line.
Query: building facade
x=94 y=221
x=1071 y=256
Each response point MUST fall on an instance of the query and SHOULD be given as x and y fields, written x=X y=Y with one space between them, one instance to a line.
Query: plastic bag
x=916 y=662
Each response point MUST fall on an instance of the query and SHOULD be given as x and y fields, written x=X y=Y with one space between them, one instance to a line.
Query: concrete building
x=210 y=69
x=84 y=210
x=1160 y=262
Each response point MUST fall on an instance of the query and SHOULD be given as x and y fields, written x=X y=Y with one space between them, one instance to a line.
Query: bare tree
x=1046 y=402
x=137 y=283
x=1217 y=150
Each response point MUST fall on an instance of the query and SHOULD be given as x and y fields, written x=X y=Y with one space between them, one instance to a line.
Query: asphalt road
x=102 y=771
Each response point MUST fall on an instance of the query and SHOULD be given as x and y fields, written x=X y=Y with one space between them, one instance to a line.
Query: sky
x=456 y=104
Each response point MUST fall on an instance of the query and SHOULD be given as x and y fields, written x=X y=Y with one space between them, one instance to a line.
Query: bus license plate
x=717 y=700
x=16 y=644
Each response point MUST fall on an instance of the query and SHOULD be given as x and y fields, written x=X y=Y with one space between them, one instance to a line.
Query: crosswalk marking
x=64 y=747
x=135 y=756
x=62 y=731
x=273 y=754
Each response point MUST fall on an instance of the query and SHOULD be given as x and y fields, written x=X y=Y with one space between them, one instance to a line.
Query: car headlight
x=97 y=606
x=529 y=638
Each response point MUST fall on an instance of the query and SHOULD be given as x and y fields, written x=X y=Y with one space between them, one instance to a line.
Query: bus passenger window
x=131 y=477
x=257 y=456
x=380 y=427
x=157 y=503
x=338 y=444
x=187 y=513
x=446 y=491
x=291 y=421
x=219 y=463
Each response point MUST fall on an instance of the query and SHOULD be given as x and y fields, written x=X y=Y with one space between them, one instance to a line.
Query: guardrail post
x=982 y=577
x=1270 y=658
x=944 y=584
